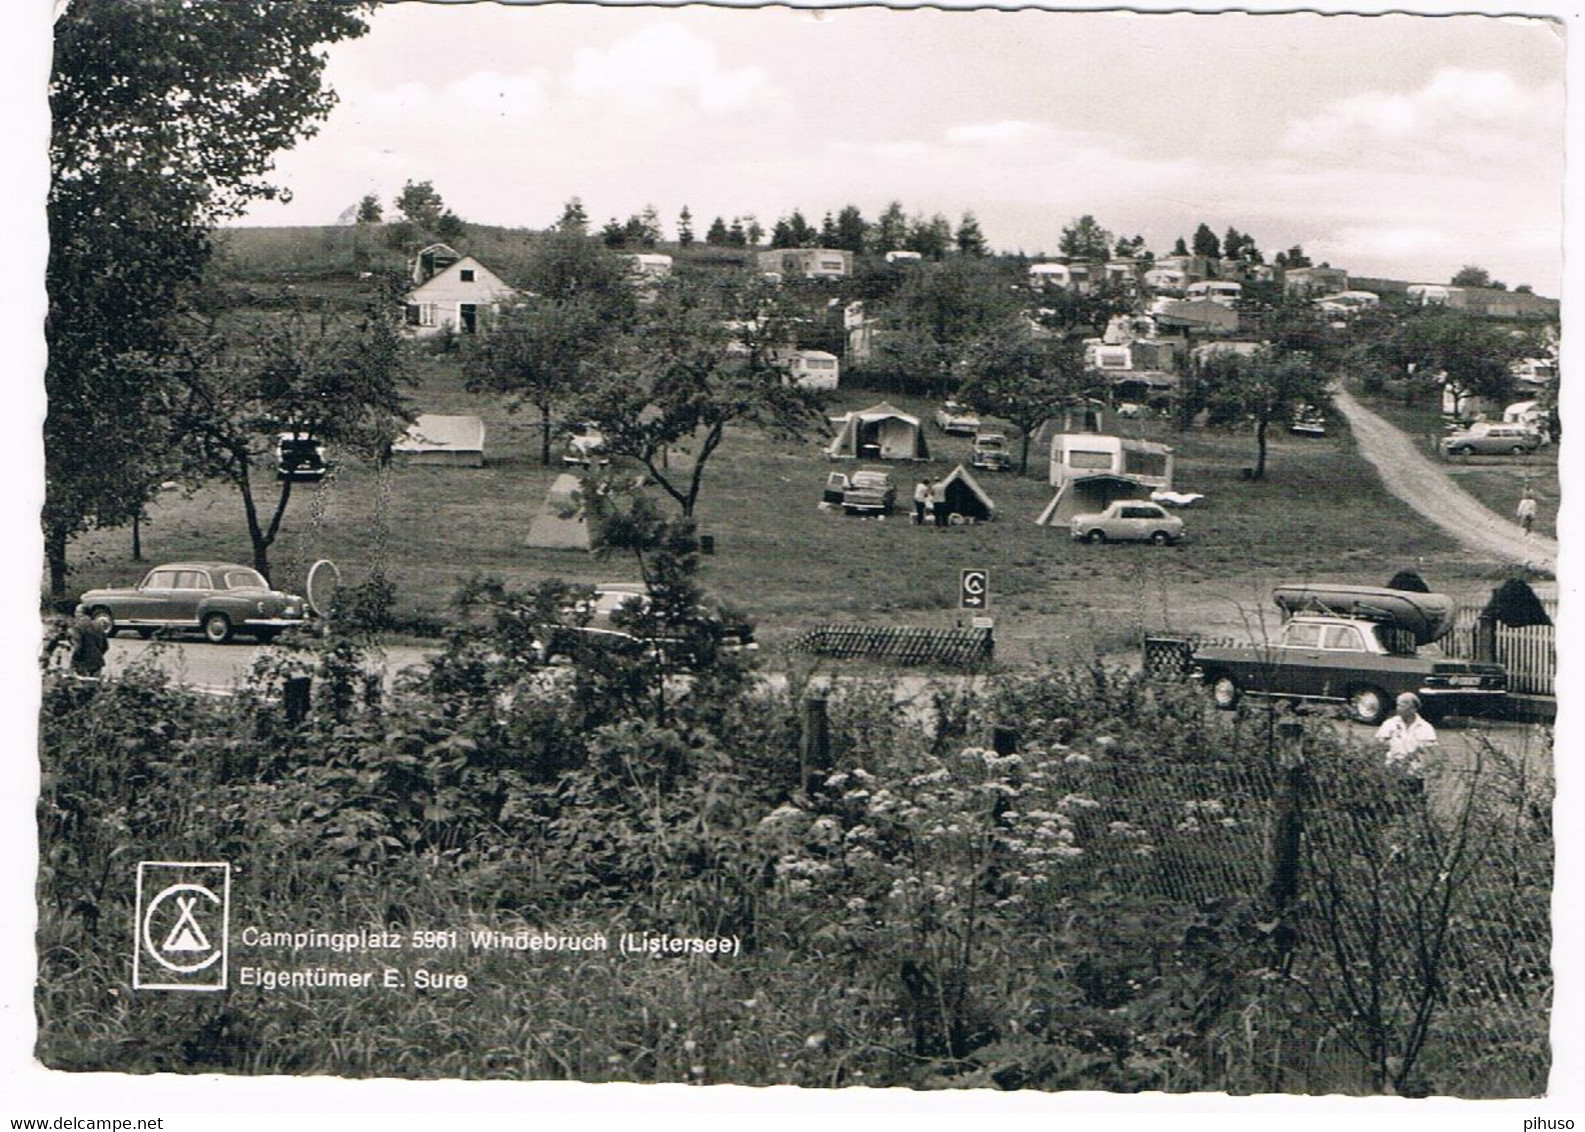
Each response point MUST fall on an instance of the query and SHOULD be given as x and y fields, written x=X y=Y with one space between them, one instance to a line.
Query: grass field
x=1321 y=513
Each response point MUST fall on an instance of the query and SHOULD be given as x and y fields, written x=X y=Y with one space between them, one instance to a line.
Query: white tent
x=434 y=439
x=1084 y=495
x=560 y=525
x=881 y=432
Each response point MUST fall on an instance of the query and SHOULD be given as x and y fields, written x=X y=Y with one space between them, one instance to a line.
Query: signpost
x=974 y=590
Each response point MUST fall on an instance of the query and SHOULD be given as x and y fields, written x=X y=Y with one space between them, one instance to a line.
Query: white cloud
x=665 y=60
x=1458 y=117
x=1010 y=132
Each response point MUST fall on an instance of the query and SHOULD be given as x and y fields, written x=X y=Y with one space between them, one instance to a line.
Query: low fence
x=1529 y=653
x=1173 y=657
x=955 y=647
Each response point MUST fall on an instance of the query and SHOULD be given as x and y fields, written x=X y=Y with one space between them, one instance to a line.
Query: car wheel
x=1517 y=450
x=1095 y=536
x=102 y=617
x=1161 y=538
x=1367 y=705
x=217 y=628
x=1463 y=450
x=1225 y=692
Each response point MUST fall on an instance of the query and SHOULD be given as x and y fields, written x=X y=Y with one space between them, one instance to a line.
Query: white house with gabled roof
x=453 y=292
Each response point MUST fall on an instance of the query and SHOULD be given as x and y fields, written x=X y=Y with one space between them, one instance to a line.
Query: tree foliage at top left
x=166 y=117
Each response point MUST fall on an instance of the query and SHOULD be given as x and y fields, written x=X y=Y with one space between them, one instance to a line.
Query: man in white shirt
x=1408 y=737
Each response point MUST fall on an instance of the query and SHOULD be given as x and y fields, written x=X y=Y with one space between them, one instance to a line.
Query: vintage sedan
x=1128 y=520
x=957 y=419
x=1490 y=437
x=216 y=598
x=868 y=491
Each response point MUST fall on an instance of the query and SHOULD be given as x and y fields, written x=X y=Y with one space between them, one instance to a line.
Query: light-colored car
x=957 y=419
x=1128 y=520
x=218 y=598
x=866 y=491
x=991 y=451
x=585 y=446
x=1488 y=437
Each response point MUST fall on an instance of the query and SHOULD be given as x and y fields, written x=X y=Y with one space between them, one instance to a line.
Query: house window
x=1088 y=458
x=426 y=314
x=467 y=274
x=412 y=314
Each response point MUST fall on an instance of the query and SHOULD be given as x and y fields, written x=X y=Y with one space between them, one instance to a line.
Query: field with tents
x=430 y=523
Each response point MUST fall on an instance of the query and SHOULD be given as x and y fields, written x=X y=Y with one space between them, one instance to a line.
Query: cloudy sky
x=1394 y=145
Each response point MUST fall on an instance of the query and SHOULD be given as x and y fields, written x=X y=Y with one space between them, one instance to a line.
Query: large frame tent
x=880 y=432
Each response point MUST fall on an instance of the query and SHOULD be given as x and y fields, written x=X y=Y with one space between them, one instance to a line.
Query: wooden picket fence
x=1529 y=653
x=903 y=645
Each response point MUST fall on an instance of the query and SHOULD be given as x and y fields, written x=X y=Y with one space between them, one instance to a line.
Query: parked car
x=601 y=621
x=866 y=491
x=1485 y=437
x=585 y=446
x=991 y=451
x=1358 y=662
x=300 y=458
x=957 y=419
x=217 y=598
x=1308 y=421
x=1128 y=520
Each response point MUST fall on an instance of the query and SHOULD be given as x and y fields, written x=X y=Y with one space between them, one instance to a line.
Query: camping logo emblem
x=182 y=925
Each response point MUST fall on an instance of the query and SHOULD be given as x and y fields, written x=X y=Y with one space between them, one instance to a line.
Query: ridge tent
x=881 y=432
x=440 y=440
x=965 y=498
x=1084 y=495
x=560 y=524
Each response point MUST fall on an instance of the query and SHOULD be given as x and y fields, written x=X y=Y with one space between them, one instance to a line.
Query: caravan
x=1077 y=455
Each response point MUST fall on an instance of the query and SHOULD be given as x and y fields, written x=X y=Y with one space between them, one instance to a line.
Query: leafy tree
x=852 y=231
x=828 y=231
x=1206 y=243
x=451 y=228
x=891 y=230
x=685 y=228
x=969 y=238
x=651 y=233
x=793 y=232
x=1024 y=379
x=936 y=313
x=1131 y=248
x=1238 y=391
x=1293 y=257
x=753 y=231
x=930 y=238
x=164 y=120
x=370 y=211
x=419 y=202
x=1179 y=247
x=235 y=387
x=736 y=235
x=716 y=234
x=574 y=220
x=1069 y=313
x=1471 y=275
x=1524 y=289
x=537 y=352
x=1468 y=355
x=673 y=387
x=613 y=235
x=1085 y=239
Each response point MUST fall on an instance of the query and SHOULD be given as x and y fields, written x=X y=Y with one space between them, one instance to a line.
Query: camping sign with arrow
x=974 y=589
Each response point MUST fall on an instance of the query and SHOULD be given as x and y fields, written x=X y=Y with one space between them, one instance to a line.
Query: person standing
x=89 y=645
x=938 y=504
x=1409 y=739
x=1526 y=513
x=921 y=502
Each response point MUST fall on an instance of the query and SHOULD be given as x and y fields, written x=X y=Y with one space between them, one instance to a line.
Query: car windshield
x=244 y=579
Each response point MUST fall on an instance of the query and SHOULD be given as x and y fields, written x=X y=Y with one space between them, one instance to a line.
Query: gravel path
x=1417 y=481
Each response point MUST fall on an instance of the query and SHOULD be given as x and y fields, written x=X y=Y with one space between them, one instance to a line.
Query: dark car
x=608 y=620
x=300 y=458
x=217 y=598
x=1364 y=664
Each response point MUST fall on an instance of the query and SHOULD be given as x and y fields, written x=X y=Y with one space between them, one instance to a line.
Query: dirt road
x=1422 y=485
